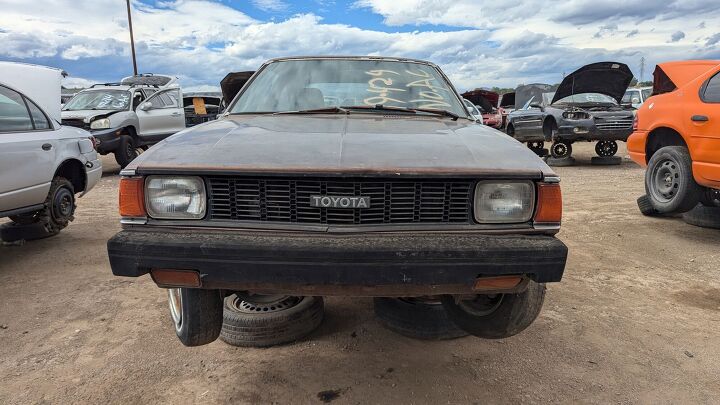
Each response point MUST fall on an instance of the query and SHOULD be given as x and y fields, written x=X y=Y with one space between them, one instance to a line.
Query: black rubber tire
x=59 y=208
x=264 y=329
x=202 y=316
x=510 y=130
x=606 y=149
x=126 y=151
x=561 y=150
x=416 y=319
x=555 y=162
x=605 y=160
x=646 y=207
x=513 y=314
x=703 y=216
x=685 y=192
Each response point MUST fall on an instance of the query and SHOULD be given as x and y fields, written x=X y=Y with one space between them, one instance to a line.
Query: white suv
x=43 y=165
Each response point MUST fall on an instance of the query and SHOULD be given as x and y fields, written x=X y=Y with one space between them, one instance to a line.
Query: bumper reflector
x=497 y=283
x=176 y=278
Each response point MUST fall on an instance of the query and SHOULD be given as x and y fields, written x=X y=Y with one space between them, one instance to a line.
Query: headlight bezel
x=102 y=123
x=576 y=115
x=152 y=209
x=505 y=220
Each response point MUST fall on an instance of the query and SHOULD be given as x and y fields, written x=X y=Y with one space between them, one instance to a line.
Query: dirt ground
x=635 y=320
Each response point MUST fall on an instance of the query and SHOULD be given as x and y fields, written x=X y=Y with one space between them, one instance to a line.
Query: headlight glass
x=576 y=115
x=173 y=197
x=504 y=202
x=102 y=123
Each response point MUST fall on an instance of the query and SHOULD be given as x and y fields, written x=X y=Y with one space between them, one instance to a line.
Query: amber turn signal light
x=549 y=207
x=132 y=197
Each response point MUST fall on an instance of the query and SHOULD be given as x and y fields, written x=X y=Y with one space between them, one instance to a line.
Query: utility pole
x=132 y=41
x=642 y=68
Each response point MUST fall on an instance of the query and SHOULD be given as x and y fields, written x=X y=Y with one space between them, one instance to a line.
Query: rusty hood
x=339 y=145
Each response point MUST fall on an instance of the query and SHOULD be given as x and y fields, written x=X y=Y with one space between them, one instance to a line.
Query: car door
x=161 y=115
x=703 y=123
x=528 y=120
x=27 y=151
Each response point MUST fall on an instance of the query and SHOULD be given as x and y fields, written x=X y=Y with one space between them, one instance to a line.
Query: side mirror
x=146 y=106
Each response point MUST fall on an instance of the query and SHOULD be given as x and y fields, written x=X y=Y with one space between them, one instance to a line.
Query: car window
x=712 y=90
x=99 y=99
x=311 y=84
x=172 y=98
x=38 y=117
x=646 y=93
x=14 y=115
x=627 y=97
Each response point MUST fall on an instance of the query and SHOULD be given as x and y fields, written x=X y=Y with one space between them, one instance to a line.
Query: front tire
x=669 y=182
x=496 y=316
x=196 y=315
x=126 y=151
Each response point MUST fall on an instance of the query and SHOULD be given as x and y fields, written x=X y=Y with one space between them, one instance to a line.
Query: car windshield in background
x=587 y=98
x=646 y=93
x=298 y=85
x=627 y=98
x=99 y=100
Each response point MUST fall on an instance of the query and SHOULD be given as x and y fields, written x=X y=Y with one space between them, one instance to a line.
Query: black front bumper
x=108 y=140
x=355 y=264
x=589 y=132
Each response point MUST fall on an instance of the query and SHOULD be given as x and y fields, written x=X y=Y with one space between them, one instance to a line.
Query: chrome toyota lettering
x=334 y=201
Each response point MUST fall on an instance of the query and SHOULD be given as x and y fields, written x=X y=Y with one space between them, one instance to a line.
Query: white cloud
x=271 y=5
x=500 y=43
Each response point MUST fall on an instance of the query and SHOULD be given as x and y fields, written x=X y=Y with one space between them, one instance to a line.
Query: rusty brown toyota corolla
x=342 y=176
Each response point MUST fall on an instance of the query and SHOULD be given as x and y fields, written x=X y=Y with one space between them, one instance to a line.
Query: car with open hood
x=128 y=116
x=528 y=115
x=488 y=102
x=506 y=105
x=341 y=176
x=677 y=136
x=586 y=106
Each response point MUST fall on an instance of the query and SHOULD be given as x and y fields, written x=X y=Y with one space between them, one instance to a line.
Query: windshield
x=646 y=93
x=99 y=100
x=297 y=85
x=587 y=98
x=627 y=98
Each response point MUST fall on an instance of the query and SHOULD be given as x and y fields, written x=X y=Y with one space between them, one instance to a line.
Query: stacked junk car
x=586 y=106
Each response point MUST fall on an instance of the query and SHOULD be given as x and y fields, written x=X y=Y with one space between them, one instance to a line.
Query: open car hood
x=507 y=100
x=608 y=78
x=535 y=91
x=671 y=75
x=484 y=98
x=232 y=83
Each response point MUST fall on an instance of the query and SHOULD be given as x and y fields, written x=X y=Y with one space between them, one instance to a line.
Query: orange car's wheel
x=669 y=181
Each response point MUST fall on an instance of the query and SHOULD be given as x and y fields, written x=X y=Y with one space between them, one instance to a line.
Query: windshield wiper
x=381 y=107
x=335 y=110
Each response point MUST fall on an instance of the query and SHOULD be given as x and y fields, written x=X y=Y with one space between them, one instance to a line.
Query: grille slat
x=287 y=200
x=614 y=124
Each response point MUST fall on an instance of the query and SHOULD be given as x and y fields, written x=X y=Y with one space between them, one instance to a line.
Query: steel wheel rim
x=482 y=305
x=175 y=301
x=560 y=149
x=606 y=148
x=665 y=180
x=263 y=304
x=62 y=203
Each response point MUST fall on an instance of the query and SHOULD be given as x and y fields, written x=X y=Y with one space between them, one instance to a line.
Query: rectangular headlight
x=504 y=201
x=173 y=197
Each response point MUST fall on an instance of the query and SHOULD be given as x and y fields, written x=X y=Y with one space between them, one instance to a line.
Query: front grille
x=614 y=124
x=75 y=123
x=287 y=200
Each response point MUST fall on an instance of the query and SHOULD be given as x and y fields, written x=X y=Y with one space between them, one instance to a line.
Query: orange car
x=677 y=136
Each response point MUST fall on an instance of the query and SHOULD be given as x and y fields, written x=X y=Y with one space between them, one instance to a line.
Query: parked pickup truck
x=396 y=192
x=124 y=117
x=42 y=165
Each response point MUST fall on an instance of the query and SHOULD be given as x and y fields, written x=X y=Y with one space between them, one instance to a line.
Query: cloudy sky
x=477 y=43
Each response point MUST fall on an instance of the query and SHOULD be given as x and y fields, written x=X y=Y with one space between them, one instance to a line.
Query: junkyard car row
x=354 y=176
